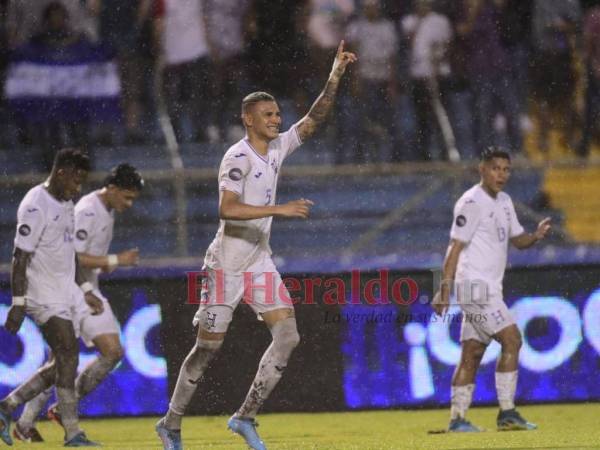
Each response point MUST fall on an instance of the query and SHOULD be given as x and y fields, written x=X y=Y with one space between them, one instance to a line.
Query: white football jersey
x=253 y=177
x=45 y=228
x=485 y=224
x=94 y=225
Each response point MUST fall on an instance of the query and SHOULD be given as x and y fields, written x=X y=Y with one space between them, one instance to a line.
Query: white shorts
x=481 y=321
x=42 y=311
x=91 y=326
x=222 y=291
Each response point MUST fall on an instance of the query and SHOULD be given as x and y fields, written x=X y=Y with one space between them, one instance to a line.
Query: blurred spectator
x=226 y=20
x=59 y=83
x=276 y=56
x=515 y=32
x=489 y=69
x=325 y=28
x=187 y=83
x=374 y=38
x=591 y=52
x=555 y=25
x=24 y=19
x=124 y=25
x=429 y=34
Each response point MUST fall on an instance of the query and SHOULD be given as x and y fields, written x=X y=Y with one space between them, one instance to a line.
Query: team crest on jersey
x=235 y=174
x=81 y=235
x=461 y=221
x=24 y=230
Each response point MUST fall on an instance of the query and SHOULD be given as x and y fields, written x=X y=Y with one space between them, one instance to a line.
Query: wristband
x=18 y=300
x=86 y=287
x=113 y=260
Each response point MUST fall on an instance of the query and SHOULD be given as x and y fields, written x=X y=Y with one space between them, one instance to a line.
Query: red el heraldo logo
x=375 y=290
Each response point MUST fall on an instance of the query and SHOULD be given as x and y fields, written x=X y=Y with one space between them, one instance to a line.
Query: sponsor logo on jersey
x=235 y=174
x=258 y=175
x=81 y=235
x=89 y=214
x=239 y=155
x=461 y=221
x=24 y=230
x=30 y=210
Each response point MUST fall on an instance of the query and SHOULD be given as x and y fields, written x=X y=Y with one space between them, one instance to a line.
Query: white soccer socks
x=190 y=373
x=93 y=374
x=506 y=386
x=32 y=409
x=271 y=367
x=461 y=397
x=69 y=416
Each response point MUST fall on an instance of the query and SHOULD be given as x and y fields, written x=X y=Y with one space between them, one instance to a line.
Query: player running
x=485 y=222
x=247 y=182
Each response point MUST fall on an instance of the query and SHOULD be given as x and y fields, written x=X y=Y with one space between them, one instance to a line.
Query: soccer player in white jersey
x=46 y=284
x=484 y=223
x=247 y=182
x=94 y=222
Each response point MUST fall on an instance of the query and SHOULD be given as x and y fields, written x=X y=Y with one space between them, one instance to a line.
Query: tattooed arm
x=322 y=105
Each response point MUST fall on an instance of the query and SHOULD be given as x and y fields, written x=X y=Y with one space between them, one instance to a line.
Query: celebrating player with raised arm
x=247 y=183
x=94 y=223
x=485 y=222
x=44 y=282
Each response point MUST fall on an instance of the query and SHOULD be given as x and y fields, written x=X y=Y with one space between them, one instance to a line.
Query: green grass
x=561 y=427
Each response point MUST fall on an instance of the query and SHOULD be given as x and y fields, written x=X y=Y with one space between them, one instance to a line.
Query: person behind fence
x=485 y=222
x=247 y=183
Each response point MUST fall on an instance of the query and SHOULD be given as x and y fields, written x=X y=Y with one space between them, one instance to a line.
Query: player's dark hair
x=125 y=176
x=72 y=158
x=494 y=152
x=255 y=97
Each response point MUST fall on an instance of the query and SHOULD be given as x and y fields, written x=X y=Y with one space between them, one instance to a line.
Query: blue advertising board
x=137 y=386
x=387 y=368
x=368 y=356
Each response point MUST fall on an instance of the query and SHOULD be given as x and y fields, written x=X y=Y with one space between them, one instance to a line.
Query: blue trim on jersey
x=266 y=161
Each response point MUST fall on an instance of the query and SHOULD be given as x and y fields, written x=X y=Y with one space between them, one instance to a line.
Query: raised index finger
x=340 y=49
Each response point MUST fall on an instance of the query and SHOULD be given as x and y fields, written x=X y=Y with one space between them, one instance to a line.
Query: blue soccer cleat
x=511 y=420
x=171 y=439
x=460 y=425
x=5 y=432
x=80 y=440
x=247 y=429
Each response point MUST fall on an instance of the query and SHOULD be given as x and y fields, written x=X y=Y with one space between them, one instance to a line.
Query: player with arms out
x=94 y=223
x=46 y=284
x=485 y=222
x=247 y=183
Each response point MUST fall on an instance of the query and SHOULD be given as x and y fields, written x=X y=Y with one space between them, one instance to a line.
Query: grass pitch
x=560 y=427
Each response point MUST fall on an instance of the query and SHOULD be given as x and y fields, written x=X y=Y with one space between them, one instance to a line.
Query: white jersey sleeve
x=289 y=141
x=31 y=221
x=232 y=173
x=467 y=215
x=84 y=229
x=516 y=229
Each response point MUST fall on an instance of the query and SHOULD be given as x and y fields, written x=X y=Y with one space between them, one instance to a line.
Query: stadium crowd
x=436 y=79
